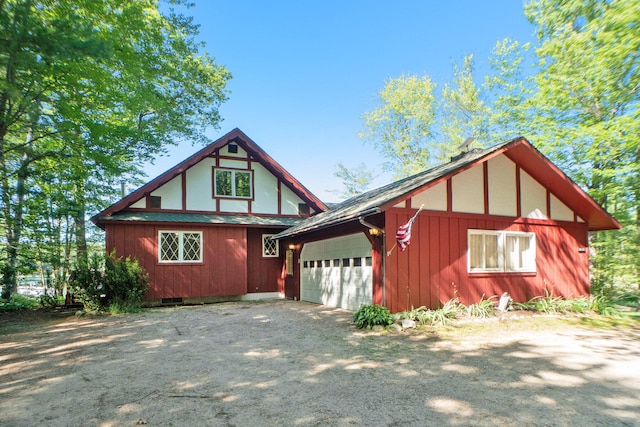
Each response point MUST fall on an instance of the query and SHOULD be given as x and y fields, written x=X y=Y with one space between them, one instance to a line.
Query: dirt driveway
x=296 y=364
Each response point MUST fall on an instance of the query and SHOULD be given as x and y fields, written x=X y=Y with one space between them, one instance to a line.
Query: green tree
x=509 y=87
x=401 y=126
x=94 y=88
x=588 y=113
x=415 y=127
x=355 y=180
x=462 y=112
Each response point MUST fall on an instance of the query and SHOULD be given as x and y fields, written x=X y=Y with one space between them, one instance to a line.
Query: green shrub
x=87 y=282
x=603 y=305
x=484 y=308
x=18 y=302
x=368 y=316
x=441 y=316
x=125 y=281
x=452 y=308
x=122 y=284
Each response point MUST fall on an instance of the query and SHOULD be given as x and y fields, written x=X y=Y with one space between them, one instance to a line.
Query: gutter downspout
x=384 y=258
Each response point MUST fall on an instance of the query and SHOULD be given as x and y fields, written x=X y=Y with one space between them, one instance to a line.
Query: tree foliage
x=414 y=126
x=588 y=114
x=402 y=125
x=356 y=180
x=88 y=91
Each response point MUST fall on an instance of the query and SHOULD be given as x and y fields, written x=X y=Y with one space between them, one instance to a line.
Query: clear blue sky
x=304 y=72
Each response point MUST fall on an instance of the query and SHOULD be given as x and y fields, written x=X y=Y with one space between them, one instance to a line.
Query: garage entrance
x=337 y=272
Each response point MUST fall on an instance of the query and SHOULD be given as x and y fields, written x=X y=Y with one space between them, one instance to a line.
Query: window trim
x=180 y=259
x=277 y=254
x=233 y=172
x=530 y=265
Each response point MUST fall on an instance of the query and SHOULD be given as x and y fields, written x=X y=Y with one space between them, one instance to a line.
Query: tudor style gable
x=232 y=176
x=498 y=186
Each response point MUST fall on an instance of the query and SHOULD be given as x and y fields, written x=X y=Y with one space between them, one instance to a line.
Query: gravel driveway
x=297 y=364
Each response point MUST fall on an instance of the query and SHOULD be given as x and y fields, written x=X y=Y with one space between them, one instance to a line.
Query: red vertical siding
x=433 y=269
x=223 y=271
x=264 y=274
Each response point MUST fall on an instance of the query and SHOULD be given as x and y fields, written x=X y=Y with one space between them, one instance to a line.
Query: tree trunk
x=80 y=224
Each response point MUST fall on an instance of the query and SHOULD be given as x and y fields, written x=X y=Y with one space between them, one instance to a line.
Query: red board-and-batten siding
x=434 y=268
x=231 y=261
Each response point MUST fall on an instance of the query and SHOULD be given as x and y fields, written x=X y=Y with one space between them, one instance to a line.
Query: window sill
x=502 y=274
x=180 y=263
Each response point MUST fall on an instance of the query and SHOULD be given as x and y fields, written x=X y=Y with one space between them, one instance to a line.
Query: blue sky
x=304 y=72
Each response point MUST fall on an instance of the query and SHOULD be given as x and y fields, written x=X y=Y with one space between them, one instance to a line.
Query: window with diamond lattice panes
x=191 y=246
x=269 y=247
x=180 y=246
x=169 y=246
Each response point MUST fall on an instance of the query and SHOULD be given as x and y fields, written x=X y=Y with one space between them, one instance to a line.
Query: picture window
x=501 y=251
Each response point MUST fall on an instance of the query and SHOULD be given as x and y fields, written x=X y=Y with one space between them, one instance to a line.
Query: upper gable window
x=155 y=202
x=232 y=148
x=233 y=183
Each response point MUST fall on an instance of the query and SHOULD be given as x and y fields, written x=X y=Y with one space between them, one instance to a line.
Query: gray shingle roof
x=196 y=218
x=370 y=202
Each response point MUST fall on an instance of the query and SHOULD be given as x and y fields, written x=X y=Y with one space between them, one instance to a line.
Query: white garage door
x=337 y=272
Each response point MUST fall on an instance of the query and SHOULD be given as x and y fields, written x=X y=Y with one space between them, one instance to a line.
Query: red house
x=229 y=222
x=202 y=230
x=504 y=219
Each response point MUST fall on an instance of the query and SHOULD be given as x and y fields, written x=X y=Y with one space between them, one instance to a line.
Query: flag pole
x=407 y=225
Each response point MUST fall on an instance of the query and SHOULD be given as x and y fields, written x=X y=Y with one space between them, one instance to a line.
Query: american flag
x=403 y=235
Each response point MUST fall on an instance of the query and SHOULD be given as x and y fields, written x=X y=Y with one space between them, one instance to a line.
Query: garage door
x=337 y=272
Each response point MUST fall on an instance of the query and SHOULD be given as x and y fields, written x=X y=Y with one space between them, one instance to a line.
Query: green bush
x=368 y=316
x=120 y=287
x=126 y=282
x=441 y=316
x=603 y=305
x=484 y=308
x=87 y=282
x=18 y=302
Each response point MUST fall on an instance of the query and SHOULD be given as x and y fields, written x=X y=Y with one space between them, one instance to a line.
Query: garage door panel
x=335 y=272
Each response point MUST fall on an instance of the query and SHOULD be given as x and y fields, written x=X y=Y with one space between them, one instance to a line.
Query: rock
x=79 y=313
x=408 y=323
x=378 y=328
x=396 y=327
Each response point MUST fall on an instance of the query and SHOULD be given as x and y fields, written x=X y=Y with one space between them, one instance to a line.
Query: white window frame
x=529 y=263
x=181 y=234
x=233 y=183
x=264 y=254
